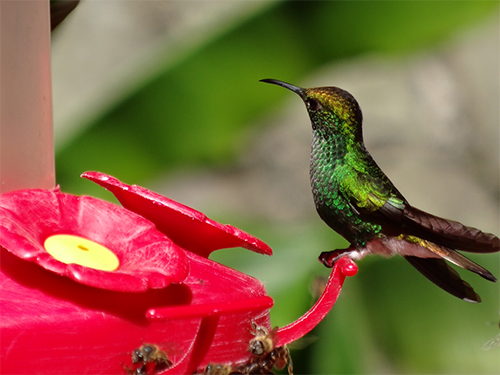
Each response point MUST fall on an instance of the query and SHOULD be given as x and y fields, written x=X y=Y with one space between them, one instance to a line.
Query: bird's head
x=331 y=109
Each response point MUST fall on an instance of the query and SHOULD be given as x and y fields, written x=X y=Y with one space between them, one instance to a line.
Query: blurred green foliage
x=196 y=113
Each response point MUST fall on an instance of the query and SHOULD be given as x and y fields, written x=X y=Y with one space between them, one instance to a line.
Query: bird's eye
x=313 y=104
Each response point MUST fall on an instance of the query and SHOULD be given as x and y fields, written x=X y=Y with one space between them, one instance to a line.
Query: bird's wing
x=375 y=197
x=444 y=232
x=368 y=191
x=445 y=277
x=448 y=233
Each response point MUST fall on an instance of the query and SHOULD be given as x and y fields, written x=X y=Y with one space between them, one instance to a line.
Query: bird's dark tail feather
x=459 y=260
x=445 y=277
x=448 y=233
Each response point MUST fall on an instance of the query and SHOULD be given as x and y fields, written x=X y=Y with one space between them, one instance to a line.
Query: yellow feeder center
x=68 y=249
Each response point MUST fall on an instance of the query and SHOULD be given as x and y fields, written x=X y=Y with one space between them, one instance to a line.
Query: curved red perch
x=302 y=326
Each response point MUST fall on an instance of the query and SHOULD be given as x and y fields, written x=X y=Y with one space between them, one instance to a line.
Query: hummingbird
x=357 y=200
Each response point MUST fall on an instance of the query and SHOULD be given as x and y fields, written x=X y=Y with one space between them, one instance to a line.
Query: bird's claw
x=328 y=258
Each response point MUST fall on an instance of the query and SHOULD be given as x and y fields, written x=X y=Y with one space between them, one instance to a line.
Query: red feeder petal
x=147 y=258
x=188 y=228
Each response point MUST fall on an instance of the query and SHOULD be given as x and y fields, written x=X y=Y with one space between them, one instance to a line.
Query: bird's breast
x=327 y=169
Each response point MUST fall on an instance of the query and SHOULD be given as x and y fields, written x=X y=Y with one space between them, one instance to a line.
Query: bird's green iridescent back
x=346 y=182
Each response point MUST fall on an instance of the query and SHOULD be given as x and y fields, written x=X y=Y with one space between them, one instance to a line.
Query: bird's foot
x=328 y=258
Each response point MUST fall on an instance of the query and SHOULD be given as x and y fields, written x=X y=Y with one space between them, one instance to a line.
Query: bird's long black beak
x=295 y=89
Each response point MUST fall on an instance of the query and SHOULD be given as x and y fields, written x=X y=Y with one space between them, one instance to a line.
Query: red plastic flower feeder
x=91 y=287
